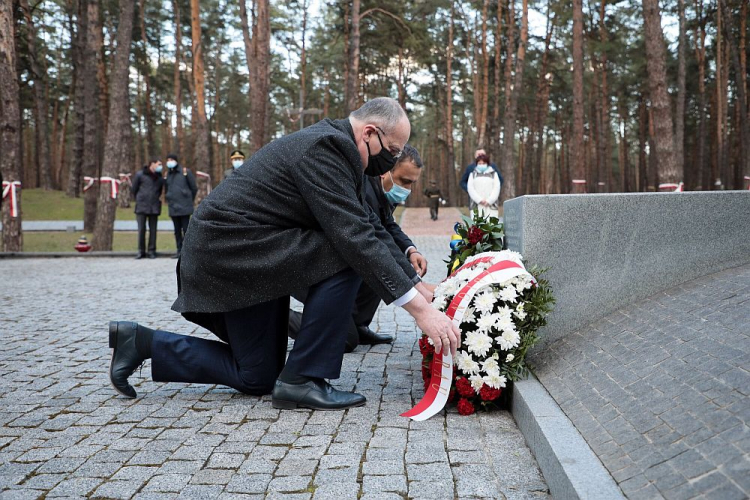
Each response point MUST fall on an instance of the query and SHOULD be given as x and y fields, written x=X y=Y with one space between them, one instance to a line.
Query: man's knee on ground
x=256 y=382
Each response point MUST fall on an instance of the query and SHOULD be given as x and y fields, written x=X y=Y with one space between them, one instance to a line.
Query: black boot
x=125 y=356
x=368 y=337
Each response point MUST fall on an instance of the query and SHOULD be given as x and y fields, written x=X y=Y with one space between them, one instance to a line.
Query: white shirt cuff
x=405 y=298
x=406 y=252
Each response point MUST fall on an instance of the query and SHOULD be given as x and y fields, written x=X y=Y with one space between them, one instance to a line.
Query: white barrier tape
x=9 y=188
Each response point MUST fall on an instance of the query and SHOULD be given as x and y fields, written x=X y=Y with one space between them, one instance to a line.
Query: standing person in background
x=147 y=187
x=484 y=187
x=470 y=168
x=435 y=196
x=180 y=191
x=238 y=158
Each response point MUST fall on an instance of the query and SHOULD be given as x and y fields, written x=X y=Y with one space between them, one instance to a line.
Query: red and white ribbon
x=114 y=185
x=442 y=364
x=208 y=180
x=9 y=188
x=579 y=182
x=89 y=182
x=676 y=188
x=747 y=178
x=125 y=178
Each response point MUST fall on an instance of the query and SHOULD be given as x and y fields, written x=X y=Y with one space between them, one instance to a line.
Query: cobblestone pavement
x=660 y=389
x=65 y=433
x=417 y=222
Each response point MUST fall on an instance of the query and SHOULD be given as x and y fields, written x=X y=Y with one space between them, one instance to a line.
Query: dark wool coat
x=384 y=210
x=147 y=192
x=180 y=189
x=292 y=216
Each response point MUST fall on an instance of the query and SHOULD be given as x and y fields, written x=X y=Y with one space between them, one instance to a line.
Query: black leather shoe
x=152 y=255
x=176 y=256
x=141 y=256
x=314 y=394
x=368 y=337
x=125 y=357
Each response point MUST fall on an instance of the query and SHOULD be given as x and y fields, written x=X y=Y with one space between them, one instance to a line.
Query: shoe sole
x=113 y=327
x=281 y=404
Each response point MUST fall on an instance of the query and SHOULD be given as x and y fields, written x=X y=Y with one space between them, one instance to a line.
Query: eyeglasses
x=398 y=152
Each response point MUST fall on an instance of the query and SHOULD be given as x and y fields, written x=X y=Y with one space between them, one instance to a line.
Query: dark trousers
x=434 y=210
x=254 y=355
x=180 y=228
x=152 y=222
x=365 y=306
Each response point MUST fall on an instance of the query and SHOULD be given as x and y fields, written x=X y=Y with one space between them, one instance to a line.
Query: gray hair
x=382 y=111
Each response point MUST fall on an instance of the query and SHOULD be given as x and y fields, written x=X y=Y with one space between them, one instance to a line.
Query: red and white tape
x=89 y=182
x=676 y=188
x=114 y=185
x=9 y=189
x=208 y=180
x=126 y=178
x=442 y=364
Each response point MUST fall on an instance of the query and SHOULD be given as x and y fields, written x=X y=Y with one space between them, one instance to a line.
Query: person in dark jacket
x=147 y=187
x=180 y=189
x=293 y=217
x=434 y=197
x=237 y=158
x=382 y=194
x=470 y=168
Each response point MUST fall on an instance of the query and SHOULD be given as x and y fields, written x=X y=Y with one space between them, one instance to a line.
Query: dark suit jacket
x=292 y=216
x=376 y=199
x=465 y=178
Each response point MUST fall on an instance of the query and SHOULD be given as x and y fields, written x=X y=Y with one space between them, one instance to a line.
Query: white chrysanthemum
x=504 y=313
x=504 y=323
x=508 y=340
x=466 y=363
x=484 y=302
x=495 y=380
x=476 y=382
x=490 y=366
x=509 y=358
x=520 y=315
x=439 y=302
x=470 y=315
x=485 y=322
x=508 y=294
x=477 y=342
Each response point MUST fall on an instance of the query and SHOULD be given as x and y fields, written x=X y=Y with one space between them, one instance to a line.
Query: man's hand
x=435 y=325
x=418 y=262
x=426 y=290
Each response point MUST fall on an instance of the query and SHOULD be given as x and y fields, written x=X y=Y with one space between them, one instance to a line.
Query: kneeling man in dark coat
x=293 y=217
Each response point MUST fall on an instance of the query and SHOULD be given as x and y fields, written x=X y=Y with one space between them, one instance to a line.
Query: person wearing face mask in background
x=484 y=187
x=470 y=168
x=237 y=158
x=434 y=197
x=147 y=187
x=382 y=194
x=180 y=189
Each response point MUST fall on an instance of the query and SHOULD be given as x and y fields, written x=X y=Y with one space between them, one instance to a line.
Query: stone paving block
x=434 y=490
x=26 y=494
x=117 y=489
x=200 y=492
x=383 y=467
x=337 y=491
x=249 y=483
x=380 y=484
x=76 y=487
x=290 y=484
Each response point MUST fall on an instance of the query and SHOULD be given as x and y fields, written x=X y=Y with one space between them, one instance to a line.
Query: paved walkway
x=660 y=389
x=77 y=225
x=64 y=432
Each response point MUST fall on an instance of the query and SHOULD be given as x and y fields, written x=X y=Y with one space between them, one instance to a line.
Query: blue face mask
x=483 y=169
x=158 y=169
x=397 y=194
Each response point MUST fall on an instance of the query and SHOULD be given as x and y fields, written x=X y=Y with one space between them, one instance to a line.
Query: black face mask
x=380 y=163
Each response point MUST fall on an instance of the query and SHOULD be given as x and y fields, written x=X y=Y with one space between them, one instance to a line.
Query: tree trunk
x=260 y=92
x=201 y=158
x=679 y=126
x=509 y=127
x=669 y=170
x=352 y=93
x=92 y=117
x=495 y=137
x=79 y=49
x=450 y=150
x=642 y=139
x=41 y=105
x=577 y=146
x=117 y=147
x=179 y=133
x=605 y=168
x=482 y=93
x=248 y=43
x=702 y=171
x=741 y=99
x=10 y=133
x=149 y=114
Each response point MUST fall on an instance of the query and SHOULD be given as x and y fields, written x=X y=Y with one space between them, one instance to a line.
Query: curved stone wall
x=605 y=251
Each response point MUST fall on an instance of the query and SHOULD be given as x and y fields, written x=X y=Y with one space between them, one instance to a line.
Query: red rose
x=464 y=387
x=475 y=235
x=487 y=393
x=465 y=407
x=424 y=346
